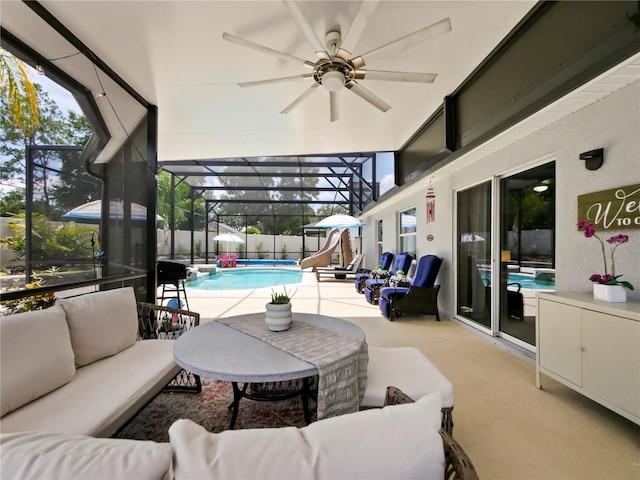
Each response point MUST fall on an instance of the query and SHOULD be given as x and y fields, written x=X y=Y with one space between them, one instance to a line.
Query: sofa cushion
x=43 y=455
x=101 y=324
x=103 y=395
x=35 y=356
x=399 y=441
x=406 y=368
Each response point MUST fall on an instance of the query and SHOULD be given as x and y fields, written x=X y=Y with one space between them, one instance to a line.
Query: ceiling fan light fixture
x=333 y=81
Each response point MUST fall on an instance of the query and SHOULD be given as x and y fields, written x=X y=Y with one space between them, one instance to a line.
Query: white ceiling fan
x=335 y=68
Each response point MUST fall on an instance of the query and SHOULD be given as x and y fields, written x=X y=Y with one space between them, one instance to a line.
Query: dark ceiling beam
x=63 y=31
x=292 y=202
x=345 y=184
x=242 y=163
x=254 y=188
x=357 y=172
x=252 y=174
x=526 y=72
x=338 y=190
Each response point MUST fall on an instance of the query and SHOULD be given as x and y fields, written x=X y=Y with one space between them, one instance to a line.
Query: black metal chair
x=172 y=277
x=420 y=297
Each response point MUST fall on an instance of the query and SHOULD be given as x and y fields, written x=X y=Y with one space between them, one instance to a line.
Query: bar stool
x=172 y=276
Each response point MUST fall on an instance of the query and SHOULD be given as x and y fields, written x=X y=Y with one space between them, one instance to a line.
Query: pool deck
x=329 y=297
x=337 y=298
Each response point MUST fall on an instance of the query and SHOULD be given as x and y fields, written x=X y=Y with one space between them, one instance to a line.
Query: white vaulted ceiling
x=172 y=53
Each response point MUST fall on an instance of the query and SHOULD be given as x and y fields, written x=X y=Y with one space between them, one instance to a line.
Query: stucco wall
x=611 y=123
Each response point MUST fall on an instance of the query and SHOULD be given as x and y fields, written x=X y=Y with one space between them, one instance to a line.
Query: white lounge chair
x=341 y=273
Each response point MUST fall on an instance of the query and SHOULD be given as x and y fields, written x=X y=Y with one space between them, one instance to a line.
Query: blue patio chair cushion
x=368 y=294
x=426 y=271
x=402 y=262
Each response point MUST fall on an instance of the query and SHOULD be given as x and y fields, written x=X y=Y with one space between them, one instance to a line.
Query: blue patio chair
x=372 y=286
x=385 y=261
x=420 y=297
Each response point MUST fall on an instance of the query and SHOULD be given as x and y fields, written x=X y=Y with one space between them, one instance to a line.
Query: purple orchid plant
x=615 y=241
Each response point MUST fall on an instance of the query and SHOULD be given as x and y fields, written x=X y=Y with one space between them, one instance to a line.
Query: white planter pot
x=609 y=293
x=278 y=317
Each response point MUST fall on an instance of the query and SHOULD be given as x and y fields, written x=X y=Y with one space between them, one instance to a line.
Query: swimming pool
x=525 y=281
x=239 y=278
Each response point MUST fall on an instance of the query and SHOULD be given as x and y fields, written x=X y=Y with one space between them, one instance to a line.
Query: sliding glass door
x=473 y=239
x=527 y=246
x=497 y=281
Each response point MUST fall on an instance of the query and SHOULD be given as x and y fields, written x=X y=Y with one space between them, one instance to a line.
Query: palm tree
x=19 y=92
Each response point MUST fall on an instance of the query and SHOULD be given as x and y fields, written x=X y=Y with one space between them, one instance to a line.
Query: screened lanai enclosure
x=273 y=202
x=88 y=224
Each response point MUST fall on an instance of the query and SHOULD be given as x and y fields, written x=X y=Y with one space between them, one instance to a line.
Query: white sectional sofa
x=79 y=370
x=78 y=367
x=395 y=442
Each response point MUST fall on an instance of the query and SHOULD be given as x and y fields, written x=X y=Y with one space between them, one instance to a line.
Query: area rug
x=210 y=408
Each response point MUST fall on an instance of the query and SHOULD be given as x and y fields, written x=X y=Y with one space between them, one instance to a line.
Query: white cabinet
x=592 y=347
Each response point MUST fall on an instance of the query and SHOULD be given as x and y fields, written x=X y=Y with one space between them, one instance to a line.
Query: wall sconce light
x=540 y=188
x=593 y=159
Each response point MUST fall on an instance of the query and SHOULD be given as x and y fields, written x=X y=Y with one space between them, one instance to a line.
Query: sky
x=59 y=95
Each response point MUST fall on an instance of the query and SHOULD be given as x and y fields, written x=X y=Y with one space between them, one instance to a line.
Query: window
x=379 y=238
x=408 y=231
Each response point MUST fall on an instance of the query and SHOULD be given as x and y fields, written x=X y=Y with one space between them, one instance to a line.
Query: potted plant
x=607 y=287
x=166 y=328
x=278 y=311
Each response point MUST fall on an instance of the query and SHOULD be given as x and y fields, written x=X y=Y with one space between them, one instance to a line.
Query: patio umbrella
x=228 y=238
x=93 y=211
x=470 y=238
x=408 y=221
x=339 y=221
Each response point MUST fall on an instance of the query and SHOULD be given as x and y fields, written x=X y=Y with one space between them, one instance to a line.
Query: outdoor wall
x=272 y=246
x=611 y=123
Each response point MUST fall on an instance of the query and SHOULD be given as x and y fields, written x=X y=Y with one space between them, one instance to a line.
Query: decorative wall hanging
x=431 y=204
x=614 y=209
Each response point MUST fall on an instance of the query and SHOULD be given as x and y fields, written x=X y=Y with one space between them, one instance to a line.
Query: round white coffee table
x=218 y=351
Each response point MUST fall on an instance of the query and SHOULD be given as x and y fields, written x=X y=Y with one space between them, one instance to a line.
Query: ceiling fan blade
x=368 y=96
x=396 y=76
x=307 y=30
x=360 y=22
x=269 y=51
x=334 y=105
x=257 y=83
x=301 y=98
x=419 y=36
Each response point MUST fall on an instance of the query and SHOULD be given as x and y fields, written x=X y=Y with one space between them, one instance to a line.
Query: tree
x=52 y=196
x=182 y=203
x=327 y=210
x=273 y=204
x=19 y=93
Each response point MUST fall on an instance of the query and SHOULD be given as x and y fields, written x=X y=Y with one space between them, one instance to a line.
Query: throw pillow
x=400 y=441
x=35 y=356
x=101 y=324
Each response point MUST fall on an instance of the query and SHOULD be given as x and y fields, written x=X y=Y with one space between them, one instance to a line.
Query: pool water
x=239 y=278
x=525 y=281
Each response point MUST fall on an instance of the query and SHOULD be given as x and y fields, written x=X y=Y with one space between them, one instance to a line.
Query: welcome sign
x=615 y=209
